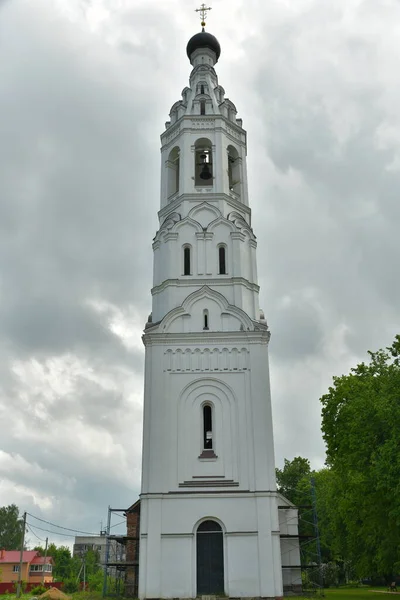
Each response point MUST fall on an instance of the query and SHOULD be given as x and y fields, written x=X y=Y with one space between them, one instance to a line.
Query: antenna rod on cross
x=203 y=13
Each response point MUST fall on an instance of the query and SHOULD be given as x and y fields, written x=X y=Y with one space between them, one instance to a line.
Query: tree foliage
x=360 y=425
x=293 y=480
x=70 y=568
x=10 y=527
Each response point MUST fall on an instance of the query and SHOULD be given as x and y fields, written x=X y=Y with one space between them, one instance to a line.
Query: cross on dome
x=203 y=13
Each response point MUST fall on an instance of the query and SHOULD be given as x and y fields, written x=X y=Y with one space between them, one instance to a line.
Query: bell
x=205 y=172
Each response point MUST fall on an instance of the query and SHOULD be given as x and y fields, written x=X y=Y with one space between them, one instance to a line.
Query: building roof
x=28 y=556
x=13 y=556
x=39 y=560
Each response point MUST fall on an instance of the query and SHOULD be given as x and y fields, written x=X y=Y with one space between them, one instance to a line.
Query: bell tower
x=209 y=508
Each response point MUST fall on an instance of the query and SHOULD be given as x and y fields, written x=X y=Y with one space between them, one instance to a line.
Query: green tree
x=10 y=527
x=293 y=481
x=63 y=562
x=360 y=425
x=92 y=561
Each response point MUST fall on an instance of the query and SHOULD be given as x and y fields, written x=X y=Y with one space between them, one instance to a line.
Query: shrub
x=38 y=590
x=70 y=586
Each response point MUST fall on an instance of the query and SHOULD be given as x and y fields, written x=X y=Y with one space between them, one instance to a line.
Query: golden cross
x=203 y=13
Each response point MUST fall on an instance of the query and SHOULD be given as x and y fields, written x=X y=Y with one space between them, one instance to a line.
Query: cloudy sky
x=85 y=89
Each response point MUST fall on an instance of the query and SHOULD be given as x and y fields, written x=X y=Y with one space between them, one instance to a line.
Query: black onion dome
x=203 y=40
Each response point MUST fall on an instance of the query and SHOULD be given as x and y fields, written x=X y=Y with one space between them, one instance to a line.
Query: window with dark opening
x=205 y=315
x=202 y=107
x=207 y=424
x=186 y=261
x=202 y=89
x=222 y=261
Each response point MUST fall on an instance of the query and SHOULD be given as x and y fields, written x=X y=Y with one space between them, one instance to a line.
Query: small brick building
x=132 y=550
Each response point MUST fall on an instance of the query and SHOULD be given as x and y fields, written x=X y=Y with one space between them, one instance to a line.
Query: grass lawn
x=341 y=593
x=359 y=593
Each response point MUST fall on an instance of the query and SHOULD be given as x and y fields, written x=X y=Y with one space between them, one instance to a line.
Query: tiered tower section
x=209 y=521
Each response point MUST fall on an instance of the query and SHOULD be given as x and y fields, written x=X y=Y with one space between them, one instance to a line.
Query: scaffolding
x=116 y=563
x=311 y=578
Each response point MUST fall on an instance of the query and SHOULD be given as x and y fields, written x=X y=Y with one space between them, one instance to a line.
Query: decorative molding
x=241 y=533
x=260 y=336
x=170 y=236
x=170 y=221
x=166 y=139
x=205 y=360
x=241 y=224
x=177 y=535
x=200 y=294
x=235 y=134
x=210 y=483
x=245 y=493
x=195 y=282
x=203 y=123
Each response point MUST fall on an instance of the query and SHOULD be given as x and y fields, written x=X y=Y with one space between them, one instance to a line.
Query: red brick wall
x=10 y=587
x=132 y=551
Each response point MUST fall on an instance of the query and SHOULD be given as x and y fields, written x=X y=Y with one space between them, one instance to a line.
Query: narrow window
x=205 y=317
x=186 y=261
x=202 y=107
x=222 y=261
x=202 y=89
x=207 y=424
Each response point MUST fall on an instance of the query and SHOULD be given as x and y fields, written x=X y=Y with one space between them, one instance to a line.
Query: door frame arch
x=194 y=552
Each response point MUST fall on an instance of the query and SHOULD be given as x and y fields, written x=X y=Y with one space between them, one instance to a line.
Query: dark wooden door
x=210 y=558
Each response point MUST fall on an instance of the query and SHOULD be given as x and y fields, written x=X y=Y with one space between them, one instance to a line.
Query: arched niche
x=203 y=171
x=173 y=172
x=234 y=170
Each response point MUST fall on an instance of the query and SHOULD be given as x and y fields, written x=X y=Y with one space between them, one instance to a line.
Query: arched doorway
x=210 y=558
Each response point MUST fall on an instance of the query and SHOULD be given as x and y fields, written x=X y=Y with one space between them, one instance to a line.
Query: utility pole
x=315 y=520
x=44 y=562
x=84 y=573
x=107 y=552
x=21 y=557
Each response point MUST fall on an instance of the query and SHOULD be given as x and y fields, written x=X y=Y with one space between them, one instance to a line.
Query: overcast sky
x=85 y=89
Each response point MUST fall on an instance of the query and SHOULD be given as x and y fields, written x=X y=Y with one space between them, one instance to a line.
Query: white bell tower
x=209 y=508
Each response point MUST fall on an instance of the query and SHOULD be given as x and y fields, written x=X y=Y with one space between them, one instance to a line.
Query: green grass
x=359 y=593
x=341 y=593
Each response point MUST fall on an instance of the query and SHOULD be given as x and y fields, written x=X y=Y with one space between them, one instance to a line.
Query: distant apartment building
x=116 y=551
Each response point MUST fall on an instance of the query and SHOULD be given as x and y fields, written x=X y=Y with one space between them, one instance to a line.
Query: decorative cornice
x=204 y=359
x=171 y=133
x=170 y=236
x=223 y=338
x=238 y=235
x=204 y=494
x=190 y=282
x=213 y=121
x=209 y=483
x=212 y=197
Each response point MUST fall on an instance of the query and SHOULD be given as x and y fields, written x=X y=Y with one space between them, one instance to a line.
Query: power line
x=31 y=530
x=53 y=532
x=61 y=527
x=116 y=524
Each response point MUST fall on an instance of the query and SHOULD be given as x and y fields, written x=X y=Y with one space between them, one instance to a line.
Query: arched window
x=186 y=260
x=234 y=170
x=203 y=163
x=206 y=320
x=202 y=107
x=202 y=89
x=173 y=172
x=207 y=427
x=222 y=260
